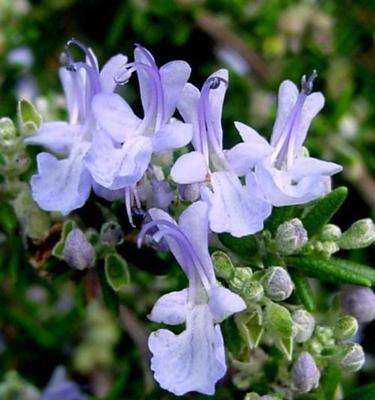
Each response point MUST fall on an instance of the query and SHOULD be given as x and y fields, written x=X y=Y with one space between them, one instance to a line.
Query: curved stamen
x=285 y=147
x=208 y=132
x=88 y=53
x=168 y=228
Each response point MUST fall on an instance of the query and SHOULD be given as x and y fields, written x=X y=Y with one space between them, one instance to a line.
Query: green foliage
x=116 y=271
x=323 y=210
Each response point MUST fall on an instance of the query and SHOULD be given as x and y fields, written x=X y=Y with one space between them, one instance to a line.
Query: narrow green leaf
x=331 y=379
x=278 y=216
x=116 y=271
x=246 y=246
x=362 y=269
x=303 y=290
x=362 y=393
x=323 y=210
x=332 y=270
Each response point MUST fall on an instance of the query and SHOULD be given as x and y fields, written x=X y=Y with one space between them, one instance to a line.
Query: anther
x=215 y=82
x=308 y=83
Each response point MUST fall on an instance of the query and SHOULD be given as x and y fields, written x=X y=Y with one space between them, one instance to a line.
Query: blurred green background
x=261 y=43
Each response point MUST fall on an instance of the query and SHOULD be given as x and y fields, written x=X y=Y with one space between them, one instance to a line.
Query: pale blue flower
x=120 y=159
x=60 y=388
x=194 y=360
x=233 y=207
x=63 y=183
x=284 y=175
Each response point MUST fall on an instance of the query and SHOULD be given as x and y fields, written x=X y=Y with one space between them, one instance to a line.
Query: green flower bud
x=325 y=335
x=252 y=396
x=277 y=283
x=8 y=134
x=35 y=222
x=360 y=234
x=329 y=248
x=303 y=325
x=290 y=236
x=111 y=234
x=252 y=292
x=330 y=232
x=223 y=265
x=346 y=327
x=353 y=357
x=242 y=277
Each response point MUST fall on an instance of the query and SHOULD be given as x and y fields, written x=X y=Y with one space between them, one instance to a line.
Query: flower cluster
x=106 y=147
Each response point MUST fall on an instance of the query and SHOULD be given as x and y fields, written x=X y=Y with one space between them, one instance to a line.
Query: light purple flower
x=194 y=360
x=233 y=207
x=60 y=388
x=119 y=161
x=283 y=174
x=63 y=183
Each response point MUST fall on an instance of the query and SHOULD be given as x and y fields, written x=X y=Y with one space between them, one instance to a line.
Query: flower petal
x=108 y=194
x=171 y=308
x=172 y=136
x=61 y=185
x=244 y=156
x=194 y=223
x=280 y=189
x=115 y=116
x=109 y=72
x=305 y=166
x=233 y=208
x=56 y=136
x=313 y=104
x=70 y=91
x=188 y=103
x=118 y=167
x=191 y=361
x=174 y=76
x=288 y=93
x=189 y=168
x=143 y=56
x=223 y=303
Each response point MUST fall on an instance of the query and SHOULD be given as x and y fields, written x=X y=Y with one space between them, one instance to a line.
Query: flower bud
x=223 y=265
x=290 y=236
x=78 y=252
x=330 y=232
x=358 y=302
x=329 y=248
x=353 y=357
x=346 y=327
x=111 y=234
x=303 y=325
x=8 y=134
x=305 y=373
x=277 y=283
x=242 y=277
x=252 y=292
x=252 y=396
x=189 y=192
x=360 y=234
